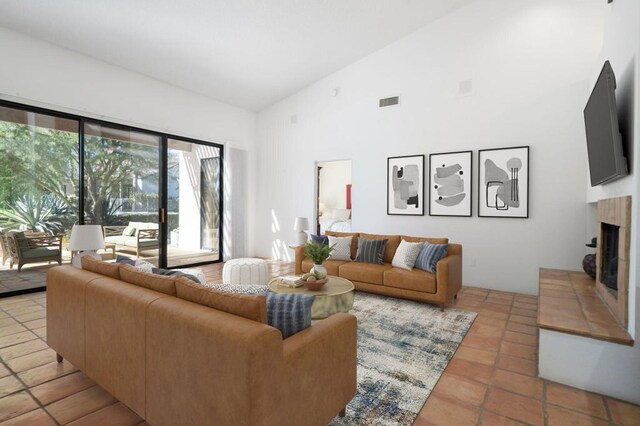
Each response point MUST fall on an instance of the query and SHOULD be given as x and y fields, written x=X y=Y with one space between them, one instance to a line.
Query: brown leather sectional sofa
x=439 y=288
x=175 y=362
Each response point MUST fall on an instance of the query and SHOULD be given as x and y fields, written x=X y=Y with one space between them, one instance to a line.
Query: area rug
x=403 y=348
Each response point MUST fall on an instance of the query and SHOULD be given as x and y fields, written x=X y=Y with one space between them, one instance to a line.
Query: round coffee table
x=335 y=296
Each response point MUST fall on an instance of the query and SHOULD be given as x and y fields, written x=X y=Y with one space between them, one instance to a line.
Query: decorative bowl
x=315 y=285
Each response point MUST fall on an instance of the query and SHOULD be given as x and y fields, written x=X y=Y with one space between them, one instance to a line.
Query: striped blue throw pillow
x=371 y=251
x=430 y=255
x=289 y=313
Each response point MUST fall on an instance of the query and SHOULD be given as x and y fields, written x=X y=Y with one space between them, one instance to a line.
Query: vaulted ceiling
x=248 y=53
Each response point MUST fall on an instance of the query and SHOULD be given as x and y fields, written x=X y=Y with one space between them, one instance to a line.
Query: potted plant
x=318 y=253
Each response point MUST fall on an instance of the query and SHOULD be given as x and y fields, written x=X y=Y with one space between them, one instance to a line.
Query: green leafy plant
x=31 y=213
x=317 y=252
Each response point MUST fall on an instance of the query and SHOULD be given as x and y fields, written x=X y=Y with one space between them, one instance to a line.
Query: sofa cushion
x=99 y=267
x=430 y=255
x=415 y=279
x=423 y=240
x=132 y=275
x=392 y=244
x=370 y=251
x=341 y=248
x=253 y=307
x=363 y=272
x=289 y=313
x=331 y=265
x=406 y=255
x=354 y=241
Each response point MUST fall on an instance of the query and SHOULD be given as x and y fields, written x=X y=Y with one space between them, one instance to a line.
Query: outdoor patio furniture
x=33 y=248
x=6 y=254
x=137 y=235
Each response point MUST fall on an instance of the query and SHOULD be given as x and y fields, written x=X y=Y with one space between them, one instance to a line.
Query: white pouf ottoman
x=245 y=271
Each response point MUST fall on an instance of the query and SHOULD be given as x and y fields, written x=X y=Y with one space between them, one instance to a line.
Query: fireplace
x=610 y=243
x=612 y=255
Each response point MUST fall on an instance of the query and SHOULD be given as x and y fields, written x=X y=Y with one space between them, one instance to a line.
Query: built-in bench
x=568 y=303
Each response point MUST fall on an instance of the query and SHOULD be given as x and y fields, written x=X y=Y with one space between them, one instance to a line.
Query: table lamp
x=301 y=225
x=85 y=239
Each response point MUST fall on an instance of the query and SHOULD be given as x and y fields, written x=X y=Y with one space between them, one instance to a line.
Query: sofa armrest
x=299 y=257
x=449 y=274
x=320 y=369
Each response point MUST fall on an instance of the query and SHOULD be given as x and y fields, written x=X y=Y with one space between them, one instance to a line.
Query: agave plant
x=31 y=213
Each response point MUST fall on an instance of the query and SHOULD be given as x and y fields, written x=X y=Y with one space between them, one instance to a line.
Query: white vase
x=319 y=271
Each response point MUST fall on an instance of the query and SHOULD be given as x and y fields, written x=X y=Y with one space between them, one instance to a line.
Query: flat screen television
x=604 y=142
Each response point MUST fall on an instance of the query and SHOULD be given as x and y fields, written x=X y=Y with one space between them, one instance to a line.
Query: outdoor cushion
x=363 y=272
x=148 y=242
x=121 y=240
x=40 y=252
x=415 y=279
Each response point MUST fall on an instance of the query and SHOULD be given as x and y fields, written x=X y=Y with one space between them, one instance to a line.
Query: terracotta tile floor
x=490 y=380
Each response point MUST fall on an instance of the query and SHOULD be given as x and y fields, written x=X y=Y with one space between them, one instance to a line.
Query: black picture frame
x=485 y=191
x=406 y=160
x=466 y=173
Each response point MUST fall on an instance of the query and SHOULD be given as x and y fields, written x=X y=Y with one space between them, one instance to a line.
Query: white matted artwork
x=405 y=185
x=503 y=182
x=450 y=183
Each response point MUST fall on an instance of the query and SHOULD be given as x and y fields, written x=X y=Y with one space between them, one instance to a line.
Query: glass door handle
x=162 y=215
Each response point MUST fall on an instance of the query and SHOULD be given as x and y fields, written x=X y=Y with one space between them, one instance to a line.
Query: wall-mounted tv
x=604 y=142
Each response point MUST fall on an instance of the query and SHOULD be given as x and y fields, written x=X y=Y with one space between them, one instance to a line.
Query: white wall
x=334 y=178
x=40 y=74
x=529 y=62
x=586 y=363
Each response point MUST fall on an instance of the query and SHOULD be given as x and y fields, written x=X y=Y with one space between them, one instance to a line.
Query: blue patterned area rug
x=403 y=348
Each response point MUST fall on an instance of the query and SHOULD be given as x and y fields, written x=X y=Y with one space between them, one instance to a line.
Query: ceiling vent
x=395 y=100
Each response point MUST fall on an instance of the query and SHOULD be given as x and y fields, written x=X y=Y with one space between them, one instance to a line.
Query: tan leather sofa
x=175 y=362
x=439 y=288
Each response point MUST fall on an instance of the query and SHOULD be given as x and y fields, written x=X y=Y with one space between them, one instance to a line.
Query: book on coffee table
x=290 y=281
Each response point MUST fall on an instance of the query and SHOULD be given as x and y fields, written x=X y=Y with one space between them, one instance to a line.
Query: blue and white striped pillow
x=430 y=255
x=289 y=313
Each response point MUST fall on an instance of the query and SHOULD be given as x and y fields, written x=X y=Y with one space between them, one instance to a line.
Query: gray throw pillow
x=371 y=251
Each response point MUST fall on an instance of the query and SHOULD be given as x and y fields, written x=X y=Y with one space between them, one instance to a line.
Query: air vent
x=395 y=100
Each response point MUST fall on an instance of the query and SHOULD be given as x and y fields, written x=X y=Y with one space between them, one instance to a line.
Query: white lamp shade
x=302 y=224
x=86 y=237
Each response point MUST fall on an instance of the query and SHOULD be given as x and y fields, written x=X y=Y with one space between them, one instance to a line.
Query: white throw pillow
x=341 y=248
x=341 y=214
x=144 y=266
x=406 y=255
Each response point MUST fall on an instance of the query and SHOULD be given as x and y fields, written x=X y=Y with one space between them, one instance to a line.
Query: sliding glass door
x=193 y=202
x=122 y=188
x=158 y=197
x=39 y=190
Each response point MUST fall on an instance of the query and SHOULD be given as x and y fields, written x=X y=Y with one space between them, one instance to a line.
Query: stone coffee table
x=335 y=296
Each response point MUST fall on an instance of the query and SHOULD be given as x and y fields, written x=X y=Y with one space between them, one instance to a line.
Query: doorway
x=334 y=189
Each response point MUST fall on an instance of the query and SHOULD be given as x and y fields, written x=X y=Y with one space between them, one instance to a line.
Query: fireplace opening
x=609 y=275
